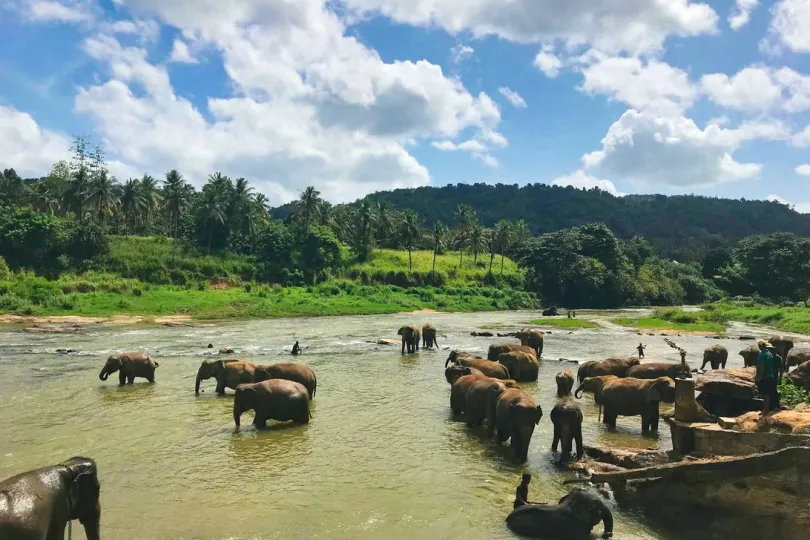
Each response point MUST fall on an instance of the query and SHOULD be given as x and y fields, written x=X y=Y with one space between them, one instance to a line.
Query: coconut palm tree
x=211 y=210
x=149 y=193
x=43 y=200
x=175 y=194
x=439 y=232
x=410 y=233
x=365 y=221
x=503 y=237
x=385 y=223
x=132 y=202
x=240 y=217
x=102 y=195
x=464 y=217
x=477 y=241
x=308 y=204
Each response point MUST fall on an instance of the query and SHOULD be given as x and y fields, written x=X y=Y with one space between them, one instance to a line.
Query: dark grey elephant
x=654 y=370
x=429 y=337
x=228 y=373
x=567 y=418
x=410 y=338
x=797 y=357
x=750 y=355
x=487 y=367
x=290 y=371
x=572 y=518
x=38 y=504
x=129 y=366
x=496 y=350
x=480 y=394
x=630 y=397
x=782 y=346
x=274 y=399
x=515 y=417
x=522 y=366
x=454 y=373
x=610 y=366
x=531 y=338
x=716 y=356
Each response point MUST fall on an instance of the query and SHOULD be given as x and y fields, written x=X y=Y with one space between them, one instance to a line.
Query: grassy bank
x=788 y=319
x=674 y=319
x=565 y=323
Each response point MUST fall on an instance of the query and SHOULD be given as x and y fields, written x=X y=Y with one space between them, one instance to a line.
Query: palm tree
x=308 y=203
x=102 y=195
x=520 y=233
x=80 y=172
x=365 y=220
x=385 y=223
x=43 y=200
x=410 y=233
x=239 y=215
x=176 y=197
x=463 y=216
x=477 y=240
x=503 y=236
x=260 y=205
x=211 y=210
x=439 y=231
x=492 y=245
x=132 y=201
x=150 y=195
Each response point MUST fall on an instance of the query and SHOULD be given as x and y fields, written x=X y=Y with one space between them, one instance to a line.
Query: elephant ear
x=654 y=390
x=83 y=493
x=216 y=366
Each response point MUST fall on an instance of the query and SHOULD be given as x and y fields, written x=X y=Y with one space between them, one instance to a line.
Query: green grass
x=789 y=319
x=677 y=319
x=565 y=323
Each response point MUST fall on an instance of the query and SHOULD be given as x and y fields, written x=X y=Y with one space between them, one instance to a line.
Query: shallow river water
x=381 y=458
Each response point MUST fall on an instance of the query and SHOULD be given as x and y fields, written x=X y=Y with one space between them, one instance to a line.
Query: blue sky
x=354 y=96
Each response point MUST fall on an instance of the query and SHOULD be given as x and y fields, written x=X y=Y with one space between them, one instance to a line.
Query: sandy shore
x=76 y=320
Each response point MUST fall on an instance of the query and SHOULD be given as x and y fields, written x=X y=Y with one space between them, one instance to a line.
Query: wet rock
x=226 y=350
x=53 y=328
x=66 y=351
x=210 y=345
x=174 y=324
x=795 y=422
x=746 y=338
x=626 y=458
x=386 y=341
x=481 y=334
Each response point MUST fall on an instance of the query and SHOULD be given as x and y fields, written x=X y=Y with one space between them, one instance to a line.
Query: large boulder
x=801 y=376
x=795 y=422
x=734 y=383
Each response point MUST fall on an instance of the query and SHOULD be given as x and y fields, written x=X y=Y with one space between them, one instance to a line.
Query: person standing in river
x=296 y=350
x=522 y=491
x=767 y=377
x=640 y=350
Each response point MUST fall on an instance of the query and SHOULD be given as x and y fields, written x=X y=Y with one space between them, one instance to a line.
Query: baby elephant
x=129 y=366
x=274 y=399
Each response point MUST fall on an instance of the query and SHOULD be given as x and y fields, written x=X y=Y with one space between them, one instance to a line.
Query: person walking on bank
x=767 y=377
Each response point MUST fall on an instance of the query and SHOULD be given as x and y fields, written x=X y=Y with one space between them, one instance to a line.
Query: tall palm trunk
x=434 y=260
x=410 y=260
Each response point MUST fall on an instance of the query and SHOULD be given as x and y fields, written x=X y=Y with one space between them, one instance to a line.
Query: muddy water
x=380 y=459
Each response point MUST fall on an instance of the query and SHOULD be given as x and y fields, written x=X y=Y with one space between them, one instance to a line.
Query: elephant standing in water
x=531 y=338
x=572 y=518
x=782 y=346
x=38 y=504
x=289 y=371
x=410 y=338
x=496 y=350
x=654 y=370
x=567 y=418
x=750 y=355
x=429 y=337
x=716 y=356
x=458 y=392
x=129 y=366
x=454 y=373
x=488 y=368
x=274 y=399
x=479 y=396
x=515 y=417
x=522 y=366
x=630 y=397
x=611 y=366
x=228 y=373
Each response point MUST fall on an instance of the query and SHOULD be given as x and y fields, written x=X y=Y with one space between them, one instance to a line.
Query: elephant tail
x=314 y=386
x=599 y=418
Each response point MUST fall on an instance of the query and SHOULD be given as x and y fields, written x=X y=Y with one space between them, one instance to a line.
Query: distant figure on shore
x=522 y=491
x=640 y=350
x=575 y=315
x=296 y=350
x=569 y=314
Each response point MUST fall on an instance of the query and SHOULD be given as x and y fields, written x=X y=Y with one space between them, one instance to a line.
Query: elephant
x=289 y=371
x=716 y=356
x=523 y=367
x=454 y=372
x=632 y=397
x=429 y=337
x=611 y=366
x=410 y=338
x=496 y=350
x=550 y=312
x=39 y=504
x=566 y=417
x=488 y=368
x=531 y=338
x=800 y=376
x=515 y=417
x=797 y=357
x=458 y=392
x=654 y=370
x=228 y=373
x=479 y=395
x=750 y=355
x=782 y=346
x=572 y=518
x=129 y=366
x=274 y=399
x=594 y=386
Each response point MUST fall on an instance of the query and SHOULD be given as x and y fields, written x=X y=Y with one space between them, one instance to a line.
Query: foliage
x=791 y=395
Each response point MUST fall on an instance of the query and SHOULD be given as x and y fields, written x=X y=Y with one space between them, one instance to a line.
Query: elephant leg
x=654 y=418
x=130 y=379
x=501 y=436
x=151 y=377
x=490 y=423
x=555 y=441
x=578 y=440
x=567 y=445
x=645 y=423
x=122 y=378
x=609 y=417
x=260 y=420
x=220 y=386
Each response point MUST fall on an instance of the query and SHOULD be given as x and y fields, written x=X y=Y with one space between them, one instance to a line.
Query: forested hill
x=680 y=227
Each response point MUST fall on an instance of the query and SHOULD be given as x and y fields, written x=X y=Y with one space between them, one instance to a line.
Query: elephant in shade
x=654 y=370
x=572 y=518
x=480 y=394
x=274 y=399
x=410 y=338
x=797 y=357
x=782 y=346
x=716 y=356
x=129 y=366
x=629 y=397
x=458 y=392
x=566 y=417
x=488 y=368
x=228 y=373
x=522 y=366
x=496 y=351
x=750 y=355
x=289 y=371
x=515 y=417
x=454 y=373
x=531 y=338
x=611 y=366
x=39 y=504
x=429 y=337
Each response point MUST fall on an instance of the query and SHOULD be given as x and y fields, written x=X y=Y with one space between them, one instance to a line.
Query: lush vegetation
x=658 y=322
x=565 y=323
x=791 y=395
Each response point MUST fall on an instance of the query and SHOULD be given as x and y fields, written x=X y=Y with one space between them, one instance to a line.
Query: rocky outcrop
x=801 y=376
x=53 y=328
x=795 y=422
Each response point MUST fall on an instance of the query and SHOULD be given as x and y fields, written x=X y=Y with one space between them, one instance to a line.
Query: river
x=381 y=458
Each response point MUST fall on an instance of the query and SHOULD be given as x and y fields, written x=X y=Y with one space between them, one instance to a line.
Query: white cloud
x=629 y=25
x=66 y=11
x=741 y=13
x=582 y=180
x=548 y=63
x=181 y=54
x=28 y=148
x=802 y=138
x=460 y=52
x=146 y=30
x=644 y=85
x=789 y=25
x=796 y=88
x=471 y=145
x=513 y=97
x=673 y=150
x=803 y=170
x=487 y=160
x=802 y=208
x=759 y=88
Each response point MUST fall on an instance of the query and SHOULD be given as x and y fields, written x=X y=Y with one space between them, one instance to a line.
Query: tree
x=439 y=232
x=132 y=202
x=80 y=176
x=777 y=265
x=211 y=210
x=385 y=223
x=102 y=195
x=410 y=234
x=43 y=200
x=503 y=237
x=365 y=221
x=149 y=193
x=477 y=241
x=464 y=217
x=520 y=234
x=308 y=204
x=176 y=199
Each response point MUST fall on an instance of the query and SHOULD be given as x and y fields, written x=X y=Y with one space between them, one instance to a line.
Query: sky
x=357 y=96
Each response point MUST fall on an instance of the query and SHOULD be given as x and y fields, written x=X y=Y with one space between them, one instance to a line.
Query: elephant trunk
x=103 y=375
x=197 y=383
x=91 y=530
x=447 y=362
x=578 y=392
x=607 y=519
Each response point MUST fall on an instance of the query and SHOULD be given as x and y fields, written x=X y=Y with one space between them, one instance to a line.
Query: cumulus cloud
x=547 y=62
x=512 y=97
x=27 y=147
x=802 y=138
x=803 y=170
x=672 y=150
x=582 y=180
x=741 y=13
x=145 y=30
x=64 y=11
x=181 y=53
x=759 y=88
x=791 y=19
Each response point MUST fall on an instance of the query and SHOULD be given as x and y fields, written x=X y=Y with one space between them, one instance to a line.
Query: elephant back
x=458 y=392
x=654 y=370
x=797 y=356
x=495 y=350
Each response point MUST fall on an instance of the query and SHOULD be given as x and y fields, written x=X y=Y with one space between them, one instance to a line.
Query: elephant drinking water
x=129 y=366
x=274 y=399
x=228 y=373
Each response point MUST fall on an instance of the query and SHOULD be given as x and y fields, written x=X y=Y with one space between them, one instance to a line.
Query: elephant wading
x=515 y=417
x=274 y=399
x=496 y=351
x=567 y=418
x=429 y=337
x=629 y=397
x=129 y=366
x=38 y=504
x=782 y=346
x=410 y=338
x=654 y=370
x=454 y=373
x=572 y=518
x=750 y=355
x=611 y=366
x=478 y=397
x=797 y=357
x=716 y=356
x=522 y=366
x=531 y=338
x=289 y=371
x=228 y=373
x=488 y=368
